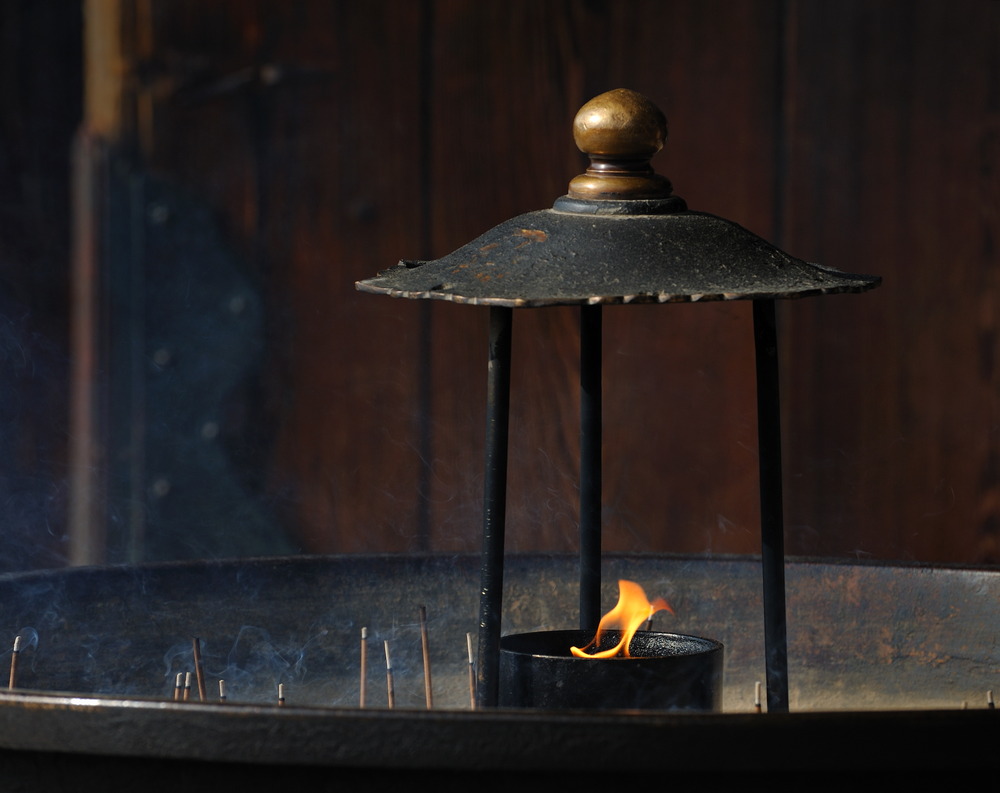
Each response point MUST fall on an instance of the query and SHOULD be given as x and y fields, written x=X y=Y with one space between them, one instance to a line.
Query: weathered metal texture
x=554 y=257
x=861 y=636
x=889 y=669
x=664 y=672
x=92 y=743
x=619 y=235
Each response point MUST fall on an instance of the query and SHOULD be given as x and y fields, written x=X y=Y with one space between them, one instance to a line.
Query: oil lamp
x=619 y=236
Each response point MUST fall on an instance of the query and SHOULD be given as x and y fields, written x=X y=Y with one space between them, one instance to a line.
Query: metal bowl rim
x=707 y=646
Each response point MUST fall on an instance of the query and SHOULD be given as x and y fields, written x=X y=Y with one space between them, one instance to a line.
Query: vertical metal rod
x=494 y=505
x=771 y=514
x=590 y=466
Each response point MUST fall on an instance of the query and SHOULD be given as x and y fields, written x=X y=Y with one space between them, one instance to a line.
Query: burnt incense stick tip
x=187 y=685
x=989 y=700
x=178 y=685
x=425 y=648
x=756 y=696
x=281 y=693
x=12 y=682
x=199 y=669
x=472 y=672
x=222 y=690
x=363 y=691
x=390 y=690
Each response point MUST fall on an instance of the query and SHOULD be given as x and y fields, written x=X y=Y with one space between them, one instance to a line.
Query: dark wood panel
x=892 y=129
x=302 y=128
x=683 y=476
x=506 y=79
x=335 y=138
x=347 y=194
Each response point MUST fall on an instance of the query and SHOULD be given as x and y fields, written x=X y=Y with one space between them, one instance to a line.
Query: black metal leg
x=590 y=466
x=494 y=506
x=771 y=513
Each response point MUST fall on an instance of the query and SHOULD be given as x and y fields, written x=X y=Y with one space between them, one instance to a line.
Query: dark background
x=188 y=370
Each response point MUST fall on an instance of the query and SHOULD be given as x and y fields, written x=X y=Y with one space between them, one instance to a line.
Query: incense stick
x=198 y=669
x=364 y=666
x=281 y=694
x=472 y=672
x=187 y=686
x=425 y=648
x=989 y=700
x=756 y=697
x=178 y=686
x=13 y=663
x=388 y=677
x=222 y=691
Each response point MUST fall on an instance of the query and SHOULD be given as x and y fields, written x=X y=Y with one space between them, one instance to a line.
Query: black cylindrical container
x=665 y=671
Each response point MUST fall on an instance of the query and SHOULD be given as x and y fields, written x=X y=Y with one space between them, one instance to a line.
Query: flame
x=632 y=610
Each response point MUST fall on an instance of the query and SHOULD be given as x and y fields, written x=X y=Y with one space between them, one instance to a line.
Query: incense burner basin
x=94 y=706
x=664 y=671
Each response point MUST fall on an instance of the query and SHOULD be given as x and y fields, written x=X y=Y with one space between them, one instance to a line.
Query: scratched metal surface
x=860 y=635
x=548 y=257
x=888 y=669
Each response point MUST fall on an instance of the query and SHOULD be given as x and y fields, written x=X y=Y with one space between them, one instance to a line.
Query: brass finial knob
x=620 y=131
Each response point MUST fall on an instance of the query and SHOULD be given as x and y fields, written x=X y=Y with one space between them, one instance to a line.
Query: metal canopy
x=553 y=257
x=617 y=236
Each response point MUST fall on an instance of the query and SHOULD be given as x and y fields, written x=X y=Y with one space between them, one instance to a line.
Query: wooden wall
x=331 y=139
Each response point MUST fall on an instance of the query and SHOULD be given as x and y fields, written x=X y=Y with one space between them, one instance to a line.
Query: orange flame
x=632 y=610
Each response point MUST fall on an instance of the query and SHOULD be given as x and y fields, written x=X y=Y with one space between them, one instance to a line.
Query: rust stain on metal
x=535 y=235
x=531 y=235
x=884 y=644
x=851 y=592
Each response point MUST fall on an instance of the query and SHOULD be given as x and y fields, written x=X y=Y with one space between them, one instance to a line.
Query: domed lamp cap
x=620 y=131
